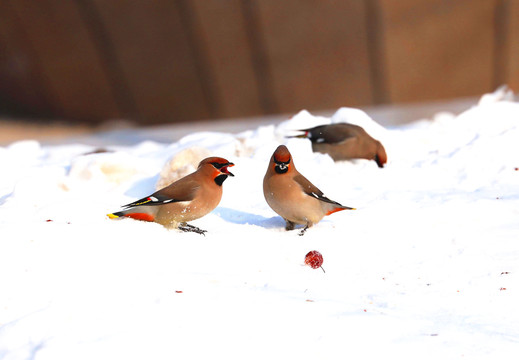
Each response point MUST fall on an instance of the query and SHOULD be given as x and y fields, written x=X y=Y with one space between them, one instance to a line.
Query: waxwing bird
x=292 y=196
x=344 y=141
x=187 y=199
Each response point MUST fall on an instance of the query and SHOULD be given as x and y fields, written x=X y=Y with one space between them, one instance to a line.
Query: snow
x=426 y=267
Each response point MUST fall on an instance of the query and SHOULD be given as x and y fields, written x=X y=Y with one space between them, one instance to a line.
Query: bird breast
x=290 y=202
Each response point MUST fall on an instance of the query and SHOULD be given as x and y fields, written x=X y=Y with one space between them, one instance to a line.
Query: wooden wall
x=178 y=60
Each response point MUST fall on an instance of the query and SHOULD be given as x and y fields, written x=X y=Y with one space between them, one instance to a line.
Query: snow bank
x=425 y=268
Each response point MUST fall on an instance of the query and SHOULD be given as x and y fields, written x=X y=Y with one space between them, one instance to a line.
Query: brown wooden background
x=162 y=61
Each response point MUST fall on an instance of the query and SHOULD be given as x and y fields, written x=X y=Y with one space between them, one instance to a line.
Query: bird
x=294 y=197
x=343 y=141
x=186 y=199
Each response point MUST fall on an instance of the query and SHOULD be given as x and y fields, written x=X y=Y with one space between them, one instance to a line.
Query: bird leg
x=290 y=225
x=190 y=228
x=303 y=230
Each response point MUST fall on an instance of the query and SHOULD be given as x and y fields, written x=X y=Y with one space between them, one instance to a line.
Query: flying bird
x=187 y=199
x=294 y=197
x=344 y=141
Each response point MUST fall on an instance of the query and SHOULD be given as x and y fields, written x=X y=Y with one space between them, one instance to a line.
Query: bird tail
x=116 y=215
x=132 y=214
x=340 y=208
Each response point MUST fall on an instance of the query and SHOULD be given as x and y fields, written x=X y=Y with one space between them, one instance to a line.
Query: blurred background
x=85 y=62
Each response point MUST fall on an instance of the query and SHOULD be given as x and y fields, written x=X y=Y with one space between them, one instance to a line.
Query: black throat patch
x=281 y=168
x=220 y=179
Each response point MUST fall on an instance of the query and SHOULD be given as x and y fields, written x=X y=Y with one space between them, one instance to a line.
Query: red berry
x=314 y=259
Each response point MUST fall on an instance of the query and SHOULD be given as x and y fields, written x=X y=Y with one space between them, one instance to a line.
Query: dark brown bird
x=344 y=141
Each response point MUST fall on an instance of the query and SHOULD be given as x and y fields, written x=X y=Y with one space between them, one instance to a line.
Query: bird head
x=281 y=160
x=321 y=133
x=218 y=167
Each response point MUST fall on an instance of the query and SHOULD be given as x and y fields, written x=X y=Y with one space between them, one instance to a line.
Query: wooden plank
x=22 y=89
x=500 y=49
x=513 y=46
x=438 y=49
x=223 y=35
x=376 y=51
x=317 y=53
x=76 y=79
x=157 y=58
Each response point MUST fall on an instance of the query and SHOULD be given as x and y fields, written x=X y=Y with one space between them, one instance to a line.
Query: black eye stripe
x=220 y=165
x=282 y=162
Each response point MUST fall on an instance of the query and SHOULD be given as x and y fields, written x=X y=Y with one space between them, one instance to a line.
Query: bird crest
x=282 y=155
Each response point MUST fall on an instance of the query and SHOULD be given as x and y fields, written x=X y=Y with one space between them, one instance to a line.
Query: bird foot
x=190 y=228
x=289 y=225
x=302 y=232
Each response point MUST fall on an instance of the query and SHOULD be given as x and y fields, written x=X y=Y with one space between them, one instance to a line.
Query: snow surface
x=426 y=268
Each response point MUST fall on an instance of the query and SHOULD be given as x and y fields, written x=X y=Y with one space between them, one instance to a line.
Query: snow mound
x=181 y=164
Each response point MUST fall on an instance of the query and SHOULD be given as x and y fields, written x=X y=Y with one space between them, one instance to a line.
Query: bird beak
x=304 y=135
x=224 y=169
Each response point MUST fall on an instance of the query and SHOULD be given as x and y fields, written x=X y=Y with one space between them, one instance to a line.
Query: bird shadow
x=4 y=198
x=142 y=187
x=246 y=218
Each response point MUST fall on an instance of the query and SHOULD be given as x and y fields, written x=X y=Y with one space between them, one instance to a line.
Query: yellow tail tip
x=112 y=216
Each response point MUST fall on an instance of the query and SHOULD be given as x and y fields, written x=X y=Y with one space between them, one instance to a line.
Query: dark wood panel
x=223 y=35
x=376 y=52
x=22 y=90
x=158 y=58
x=513 y=45
x=68 y=59
x=181 y=60
x=317 y=53
x=438 y=48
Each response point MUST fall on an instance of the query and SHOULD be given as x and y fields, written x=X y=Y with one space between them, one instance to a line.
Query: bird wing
x=176 y=192
x=332 y=134
x=312 y=190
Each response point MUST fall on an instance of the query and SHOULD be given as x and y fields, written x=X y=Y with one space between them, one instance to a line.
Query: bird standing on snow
x=292 y=196
x=344 y=141
x=187 y=199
